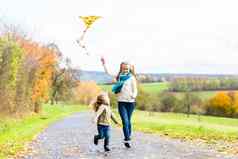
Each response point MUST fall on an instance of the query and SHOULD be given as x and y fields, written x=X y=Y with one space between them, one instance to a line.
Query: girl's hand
x=94 y=120
x=118 y=125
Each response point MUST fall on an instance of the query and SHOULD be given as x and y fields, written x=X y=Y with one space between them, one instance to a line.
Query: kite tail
x=80 y=41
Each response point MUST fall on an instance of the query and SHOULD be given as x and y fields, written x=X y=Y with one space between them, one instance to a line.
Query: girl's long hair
x=102 y=99
x=132 y=70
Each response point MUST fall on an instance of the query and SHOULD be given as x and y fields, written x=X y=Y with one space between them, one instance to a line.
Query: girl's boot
x=106 y=144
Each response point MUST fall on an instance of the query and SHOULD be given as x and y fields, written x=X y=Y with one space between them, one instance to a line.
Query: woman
x=125 y=88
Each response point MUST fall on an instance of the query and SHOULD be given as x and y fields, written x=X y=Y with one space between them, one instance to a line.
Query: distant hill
x=97 y=76
x=102 y=78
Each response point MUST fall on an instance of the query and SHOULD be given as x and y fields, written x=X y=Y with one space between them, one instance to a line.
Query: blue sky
x=185 y=36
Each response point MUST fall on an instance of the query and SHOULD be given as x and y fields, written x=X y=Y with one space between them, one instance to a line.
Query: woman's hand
x=103 y=60
x=106 y=70
x=114 y=80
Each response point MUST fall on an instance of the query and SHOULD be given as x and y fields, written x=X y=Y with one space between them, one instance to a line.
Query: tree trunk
x=37 y=107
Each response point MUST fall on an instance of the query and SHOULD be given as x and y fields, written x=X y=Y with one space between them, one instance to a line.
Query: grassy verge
x=15 y=133
x=175 y=125
x=156 y=87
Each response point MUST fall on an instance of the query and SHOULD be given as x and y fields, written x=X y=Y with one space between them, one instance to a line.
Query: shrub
x=143 y=100
x=191 y=103
x=168 y=102
x=85 y=92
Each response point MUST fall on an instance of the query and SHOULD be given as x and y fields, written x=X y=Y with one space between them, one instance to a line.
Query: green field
x=149 y=87
x=162 y=86
x=202 y=94
x=15 y=133
x=178 y=125
x=106 y=87
x=159 y=87
x=155 y=87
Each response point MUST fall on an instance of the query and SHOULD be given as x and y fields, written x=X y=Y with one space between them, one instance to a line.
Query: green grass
x=106 y=87
x=155 y=87
x=149 y=87
x=202 y=94
x=15 y=133
x=180 y=126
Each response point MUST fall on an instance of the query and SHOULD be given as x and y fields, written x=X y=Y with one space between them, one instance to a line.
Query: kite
x=88 y=21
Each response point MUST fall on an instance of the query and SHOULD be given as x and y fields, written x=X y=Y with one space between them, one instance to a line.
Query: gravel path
x=71 y=138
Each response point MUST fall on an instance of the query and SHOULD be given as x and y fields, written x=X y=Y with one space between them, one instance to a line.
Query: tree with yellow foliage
x=223 y=104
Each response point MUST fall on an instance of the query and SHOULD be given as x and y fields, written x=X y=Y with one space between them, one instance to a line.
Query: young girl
x=103 y=114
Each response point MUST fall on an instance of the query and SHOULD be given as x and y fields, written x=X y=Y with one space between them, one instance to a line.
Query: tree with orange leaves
x=40 y=61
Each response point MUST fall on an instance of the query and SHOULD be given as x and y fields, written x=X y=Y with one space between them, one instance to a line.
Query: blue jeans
x=103 y=131
x=125 y=110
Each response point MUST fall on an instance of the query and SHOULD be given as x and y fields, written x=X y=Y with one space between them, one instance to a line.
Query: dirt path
x=71 y=138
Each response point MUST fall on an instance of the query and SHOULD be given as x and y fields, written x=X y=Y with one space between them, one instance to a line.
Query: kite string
x=81 y=39
x=84 y=46
x=84 y=32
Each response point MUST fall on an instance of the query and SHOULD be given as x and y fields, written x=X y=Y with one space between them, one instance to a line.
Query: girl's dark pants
x=103 y=133
x=125 y=110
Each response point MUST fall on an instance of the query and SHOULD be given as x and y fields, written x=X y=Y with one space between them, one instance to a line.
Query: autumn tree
x=11 y=56
x=219 y=104
x=64 y=81
x=40 y=61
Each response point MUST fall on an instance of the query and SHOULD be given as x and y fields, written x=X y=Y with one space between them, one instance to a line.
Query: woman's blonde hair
x=102 y=99
x=132 y=69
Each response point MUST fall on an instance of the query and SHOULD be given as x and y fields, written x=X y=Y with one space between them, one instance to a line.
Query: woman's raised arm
x=106 y=70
